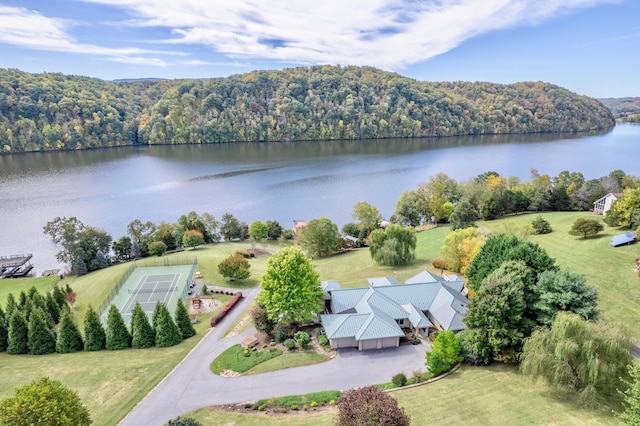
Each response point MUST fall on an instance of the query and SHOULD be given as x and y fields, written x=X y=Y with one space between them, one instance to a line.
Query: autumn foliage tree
x=192 y=238
x=235 y=267
x=370 y=406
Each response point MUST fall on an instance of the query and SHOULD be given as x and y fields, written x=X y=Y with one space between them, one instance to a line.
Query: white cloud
x=383 y=33
x=30 y=29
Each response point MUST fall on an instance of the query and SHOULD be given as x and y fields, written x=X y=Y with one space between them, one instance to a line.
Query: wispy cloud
x=30 y=29
x=385 y=33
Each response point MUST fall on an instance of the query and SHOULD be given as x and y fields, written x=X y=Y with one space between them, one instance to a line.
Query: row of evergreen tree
x=38 y=325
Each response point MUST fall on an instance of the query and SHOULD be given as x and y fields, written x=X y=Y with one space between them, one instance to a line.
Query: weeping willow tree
x=577 y=357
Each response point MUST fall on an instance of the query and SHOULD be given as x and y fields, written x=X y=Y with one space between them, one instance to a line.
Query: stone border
x=435 y=379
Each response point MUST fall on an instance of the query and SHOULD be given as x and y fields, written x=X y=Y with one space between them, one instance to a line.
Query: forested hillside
x=40 y=112
x=624 y=109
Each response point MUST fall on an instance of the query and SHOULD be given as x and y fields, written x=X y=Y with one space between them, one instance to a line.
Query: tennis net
x=154 y=290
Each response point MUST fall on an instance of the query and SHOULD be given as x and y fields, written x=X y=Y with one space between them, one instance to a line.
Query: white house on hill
x=602 y=205
x=377 y=316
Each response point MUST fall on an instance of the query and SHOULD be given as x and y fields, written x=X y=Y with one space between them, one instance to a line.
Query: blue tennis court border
x=124 y=294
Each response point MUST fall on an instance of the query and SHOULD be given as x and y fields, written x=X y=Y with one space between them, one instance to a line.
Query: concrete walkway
x=192 y=385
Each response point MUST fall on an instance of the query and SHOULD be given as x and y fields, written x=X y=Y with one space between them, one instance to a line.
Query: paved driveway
x=191 y=384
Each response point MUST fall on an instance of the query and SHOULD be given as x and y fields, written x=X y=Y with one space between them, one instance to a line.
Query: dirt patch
x=257 y=252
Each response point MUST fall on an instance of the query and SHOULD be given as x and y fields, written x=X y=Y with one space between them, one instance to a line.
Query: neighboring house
x=623 y=239
x=602 y=205
x=377 y=316
x=299 y=226
x=349 y=242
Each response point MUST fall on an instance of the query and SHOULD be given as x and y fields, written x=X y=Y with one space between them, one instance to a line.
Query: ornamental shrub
x=302 y=338
x=399 y=380
x=289 y=344
x=323 y=340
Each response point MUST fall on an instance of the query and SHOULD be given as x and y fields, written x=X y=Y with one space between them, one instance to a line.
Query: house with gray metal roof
x=377 y=316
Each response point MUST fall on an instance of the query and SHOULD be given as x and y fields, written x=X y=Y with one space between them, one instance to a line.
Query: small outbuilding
x=623 y=239
x=602 y=205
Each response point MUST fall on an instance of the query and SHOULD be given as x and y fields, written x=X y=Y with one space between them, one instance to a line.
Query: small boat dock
x=15 y=265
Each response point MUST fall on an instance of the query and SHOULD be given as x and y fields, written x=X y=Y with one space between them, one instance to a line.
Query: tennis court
x=150 y=285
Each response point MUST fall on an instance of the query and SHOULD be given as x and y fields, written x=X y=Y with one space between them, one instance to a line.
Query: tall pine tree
x=18 y=335
x=118 y=336
x=59 y=296
x=69 y=337
x=53 y=308
x=4 y=334
x=183 y=321
x=41 y=339
x=94 y=334
x=167 y=332
x=143 y=335
x=11 y=306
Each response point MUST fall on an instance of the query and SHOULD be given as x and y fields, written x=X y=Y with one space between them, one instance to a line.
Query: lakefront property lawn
x=111 y=383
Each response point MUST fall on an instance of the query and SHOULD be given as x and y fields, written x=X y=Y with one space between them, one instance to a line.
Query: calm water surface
x=109 y=188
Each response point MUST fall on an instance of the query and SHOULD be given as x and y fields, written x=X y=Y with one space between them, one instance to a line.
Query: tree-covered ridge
x=40 y=112
x=624 y=109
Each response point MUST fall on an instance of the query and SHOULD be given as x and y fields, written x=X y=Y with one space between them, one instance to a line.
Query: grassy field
x=610 y=270
x=495 y=395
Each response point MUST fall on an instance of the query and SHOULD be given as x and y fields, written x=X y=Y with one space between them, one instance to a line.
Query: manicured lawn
x=495 y=395
x=608 y=269
x=353 y=268
x=16 y=285
x=234 y=359
x=109 y=383
x=288 y=360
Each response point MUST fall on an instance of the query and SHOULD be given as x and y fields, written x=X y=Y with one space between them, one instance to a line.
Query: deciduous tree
x=631 y=397
x=44 y=402
x=369 y=406
x=460 y=247
x=235 y=267
x=157 y=248
x=464 y=215
x=258 y=230
x=192 y=238
x=290 y=287
x=321 y=238
x=392 y=246
x=445 y=352
x=584 y=227
x=367 y=215
x=564 y=291
x=576 y=357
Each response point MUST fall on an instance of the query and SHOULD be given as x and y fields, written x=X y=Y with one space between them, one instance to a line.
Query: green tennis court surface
x=150 y=285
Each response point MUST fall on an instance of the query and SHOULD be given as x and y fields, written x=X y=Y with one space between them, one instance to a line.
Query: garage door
x=346 y=342
x=368 y=344
x=390 y=342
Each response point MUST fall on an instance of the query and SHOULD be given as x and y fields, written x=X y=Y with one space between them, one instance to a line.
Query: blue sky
x=591 y=47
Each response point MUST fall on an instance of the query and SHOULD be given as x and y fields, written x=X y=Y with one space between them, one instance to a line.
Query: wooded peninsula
x=51 y=111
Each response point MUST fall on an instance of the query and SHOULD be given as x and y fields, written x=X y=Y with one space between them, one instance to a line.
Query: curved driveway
x=192 y=385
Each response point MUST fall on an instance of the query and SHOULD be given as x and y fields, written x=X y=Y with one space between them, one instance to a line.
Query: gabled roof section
x=346 y=299
x=328 y=286
x=423 y=277
x=376 y=302
x=449 y=310
x=377 y=328
x=343 y=325
x=416 y=317
x=382 y=281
